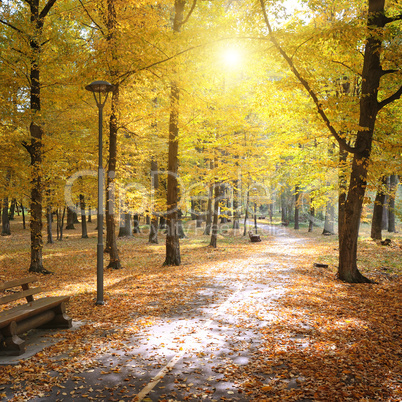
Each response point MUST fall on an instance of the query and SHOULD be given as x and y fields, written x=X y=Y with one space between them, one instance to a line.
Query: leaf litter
x=313 y=337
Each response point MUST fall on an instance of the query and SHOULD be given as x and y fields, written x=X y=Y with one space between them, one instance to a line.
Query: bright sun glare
x=232 y=57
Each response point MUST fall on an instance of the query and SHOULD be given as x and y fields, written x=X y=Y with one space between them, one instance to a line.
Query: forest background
x=218 y=110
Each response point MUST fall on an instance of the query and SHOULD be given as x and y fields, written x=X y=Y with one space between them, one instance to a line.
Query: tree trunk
x=111 y=241
x=271 y=211
x=35 y=147
x=215 y=225
x=246 y=213
x=208 y=221
x=89 y=214
x=49 y=224
x=255 y=217
x=36 y=192
x=5 y=223
x=23 y=216
x=329 y=221
x=12 y=209
x=84 y=230
x=393 y=182
x=75 y=215
x=297 y=207
x=342 y=185
x=60 y=222
x=385 y=208
x=311 y=214
x=236 y=204
x=125 y=228
x=180 y=229
x=199 y=214
x=136 y=224
x=284 y=209
x=153 y=230
x=172 y=237
x=376 y=222
x=223 y=196
x=192 y=209
x=70 y=219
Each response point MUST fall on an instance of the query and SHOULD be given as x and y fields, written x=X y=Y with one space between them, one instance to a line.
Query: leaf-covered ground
x=319 y=340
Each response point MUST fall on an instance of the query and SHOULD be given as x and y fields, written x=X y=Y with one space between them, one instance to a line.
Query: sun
x=232 y=57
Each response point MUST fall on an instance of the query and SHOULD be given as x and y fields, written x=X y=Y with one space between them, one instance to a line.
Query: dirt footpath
x=192 y=354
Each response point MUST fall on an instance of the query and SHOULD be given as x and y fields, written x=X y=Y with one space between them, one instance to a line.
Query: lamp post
x=100 y=89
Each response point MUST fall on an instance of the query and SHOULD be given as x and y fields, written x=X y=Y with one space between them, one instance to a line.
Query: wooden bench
x=254 y=238
x=47 y=312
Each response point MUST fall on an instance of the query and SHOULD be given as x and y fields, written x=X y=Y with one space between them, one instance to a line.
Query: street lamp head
x=99 y=88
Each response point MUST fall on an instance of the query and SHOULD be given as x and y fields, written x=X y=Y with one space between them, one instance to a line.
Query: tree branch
x=298 y=47
x=385 y=72
x=12 y=27
x=346 y=66
x=28 y=147
x=90 y=17
x=388 y=20
x=341 y=141
x=44 y=43
x=128 y=74
x=392 y=98
x=46 y=9
x=189 y=13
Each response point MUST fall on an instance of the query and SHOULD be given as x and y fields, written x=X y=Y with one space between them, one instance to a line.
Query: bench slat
x=17 y=282
x=20 y=295
x=24 y=311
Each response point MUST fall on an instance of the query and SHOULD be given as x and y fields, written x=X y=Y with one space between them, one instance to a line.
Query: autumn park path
x=192 y=355
x=195 y=353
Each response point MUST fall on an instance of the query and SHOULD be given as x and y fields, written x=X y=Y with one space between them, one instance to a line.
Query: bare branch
x=12 y=27
x=19 y=52
x=298 y=47
x=28 y=147
x=385 y=72
x=45 y=42
x=126 y=75
x=346 y=66
x=388 y=20
x=90 y=17
x=392 y=98
x=46 y=9
x=341 y=141
x=189 y=13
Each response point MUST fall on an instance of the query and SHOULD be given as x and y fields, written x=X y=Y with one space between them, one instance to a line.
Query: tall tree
x=112 y=43
x=172 y=236
x=369 y=106
x=34 y=35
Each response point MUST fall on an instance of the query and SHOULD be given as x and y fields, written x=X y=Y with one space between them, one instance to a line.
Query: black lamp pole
x=100 y=89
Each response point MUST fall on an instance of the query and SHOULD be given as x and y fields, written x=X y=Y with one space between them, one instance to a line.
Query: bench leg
x=11 y=343
x=60 y=320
